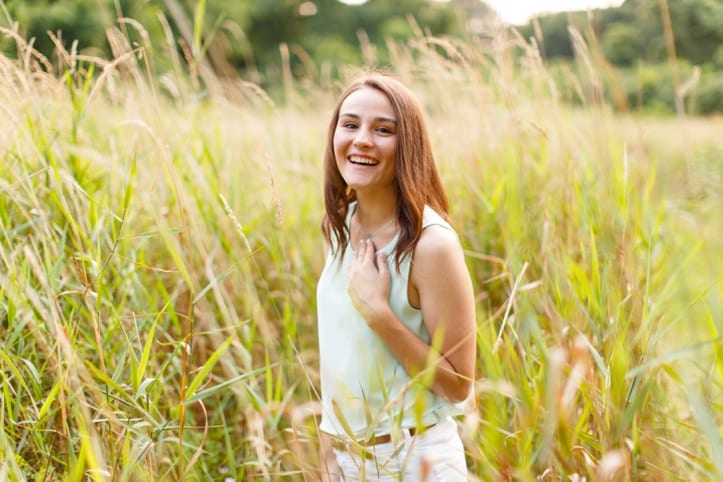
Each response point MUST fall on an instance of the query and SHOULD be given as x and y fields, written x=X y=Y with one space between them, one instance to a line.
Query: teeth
x=363 y=160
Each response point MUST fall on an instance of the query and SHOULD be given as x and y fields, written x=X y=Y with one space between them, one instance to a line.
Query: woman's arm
x=441 y=287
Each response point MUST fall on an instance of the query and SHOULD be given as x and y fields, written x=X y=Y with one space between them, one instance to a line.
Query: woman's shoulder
x=437 y=237
x=430 y=217
x=438 y=256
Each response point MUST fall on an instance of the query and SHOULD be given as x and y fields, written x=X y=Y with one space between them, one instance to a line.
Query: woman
x=395 y=302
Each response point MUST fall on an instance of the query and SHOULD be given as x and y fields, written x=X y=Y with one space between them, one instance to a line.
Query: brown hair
x=417 y=181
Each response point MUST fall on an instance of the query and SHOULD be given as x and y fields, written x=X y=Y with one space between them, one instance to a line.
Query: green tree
x=83 y=21
x=622 y=44
x=698 y=28
x=555 y=38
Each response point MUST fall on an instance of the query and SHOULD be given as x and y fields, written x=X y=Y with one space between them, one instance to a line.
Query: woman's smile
x=363 y=160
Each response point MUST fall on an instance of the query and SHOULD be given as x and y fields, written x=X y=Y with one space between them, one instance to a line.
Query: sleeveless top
x=365 y=391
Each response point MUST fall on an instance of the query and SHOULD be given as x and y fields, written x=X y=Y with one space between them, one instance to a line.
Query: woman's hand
x=369 y=282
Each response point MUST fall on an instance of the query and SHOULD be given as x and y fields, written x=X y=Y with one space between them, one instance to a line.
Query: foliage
x=243 y=36
x=622 y=43
x=68 y=21
x=255 y=39
x=632 y=38
x=708 y=95
x=159 y=246
x=696 y=27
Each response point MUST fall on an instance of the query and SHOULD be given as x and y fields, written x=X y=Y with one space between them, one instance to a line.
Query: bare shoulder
x=437 y=243
x=438 y=268
x=437 y=256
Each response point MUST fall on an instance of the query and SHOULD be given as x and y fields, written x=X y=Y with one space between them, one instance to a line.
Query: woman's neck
x=373 y=212
x=375 y=218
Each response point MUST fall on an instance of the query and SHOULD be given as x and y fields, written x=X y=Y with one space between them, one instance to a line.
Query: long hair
x=417 y=182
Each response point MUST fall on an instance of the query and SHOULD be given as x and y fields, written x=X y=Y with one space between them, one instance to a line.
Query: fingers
x=366 y=255
x=369 y=251
x=365 y=250
x=368 y=279
x=381 y=262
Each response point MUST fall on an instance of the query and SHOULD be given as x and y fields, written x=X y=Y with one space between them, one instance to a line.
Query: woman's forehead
x=366 y=99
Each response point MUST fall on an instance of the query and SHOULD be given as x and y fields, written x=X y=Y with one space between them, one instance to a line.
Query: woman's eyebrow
x=378 y=119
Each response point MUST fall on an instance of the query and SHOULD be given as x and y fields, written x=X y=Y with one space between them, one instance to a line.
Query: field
x=160 y=243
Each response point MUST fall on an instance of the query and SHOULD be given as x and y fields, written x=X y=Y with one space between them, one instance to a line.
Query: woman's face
x=365 y=141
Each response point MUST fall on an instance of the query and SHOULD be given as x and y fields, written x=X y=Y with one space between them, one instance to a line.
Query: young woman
x=395 y=303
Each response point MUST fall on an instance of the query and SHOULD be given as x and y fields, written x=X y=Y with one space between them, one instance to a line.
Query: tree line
x=244 y=37
x=655 y=46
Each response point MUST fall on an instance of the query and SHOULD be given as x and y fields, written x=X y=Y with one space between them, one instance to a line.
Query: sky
x=519 y=11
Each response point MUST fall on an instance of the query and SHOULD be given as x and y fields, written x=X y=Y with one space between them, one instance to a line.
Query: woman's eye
x=349 y=125
x=385 y=130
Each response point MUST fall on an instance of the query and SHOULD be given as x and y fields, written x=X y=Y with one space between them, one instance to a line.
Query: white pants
x=436 y=455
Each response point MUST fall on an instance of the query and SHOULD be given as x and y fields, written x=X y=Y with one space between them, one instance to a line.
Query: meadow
x=160 y=243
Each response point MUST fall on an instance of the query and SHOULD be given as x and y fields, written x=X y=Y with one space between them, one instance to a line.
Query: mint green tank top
x=365 y=391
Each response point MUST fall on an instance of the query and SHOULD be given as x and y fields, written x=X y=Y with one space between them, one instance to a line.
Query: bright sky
x=519 y=11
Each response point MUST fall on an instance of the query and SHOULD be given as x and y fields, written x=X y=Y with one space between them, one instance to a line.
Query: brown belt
x=379 y=439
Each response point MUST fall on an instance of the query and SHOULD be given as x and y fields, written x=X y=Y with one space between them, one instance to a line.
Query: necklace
x=367 y=235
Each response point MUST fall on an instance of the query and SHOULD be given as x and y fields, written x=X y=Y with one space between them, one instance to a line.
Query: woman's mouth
x=366 y=161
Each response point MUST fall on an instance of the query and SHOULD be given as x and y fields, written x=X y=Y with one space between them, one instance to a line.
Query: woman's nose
x=362 y=138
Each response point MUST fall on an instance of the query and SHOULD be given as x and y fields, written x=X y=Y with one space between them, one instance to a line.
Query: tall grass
x=160 y=245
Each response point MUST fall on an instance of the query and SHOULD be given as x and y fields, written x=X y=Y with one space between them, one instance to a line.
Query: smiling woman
x=365 y=142
x=395 y=306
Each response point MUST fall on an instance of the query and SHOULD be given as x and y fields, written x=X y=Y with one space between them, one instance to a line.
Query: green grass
x=159 y=248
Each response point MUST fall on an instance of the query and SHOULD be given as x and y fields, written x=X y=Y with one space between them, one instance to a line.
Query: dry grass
x=159 y=247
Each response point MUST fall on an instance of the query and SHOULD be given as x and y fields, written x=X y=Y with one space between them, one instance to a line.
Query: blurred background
x=653 y=55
